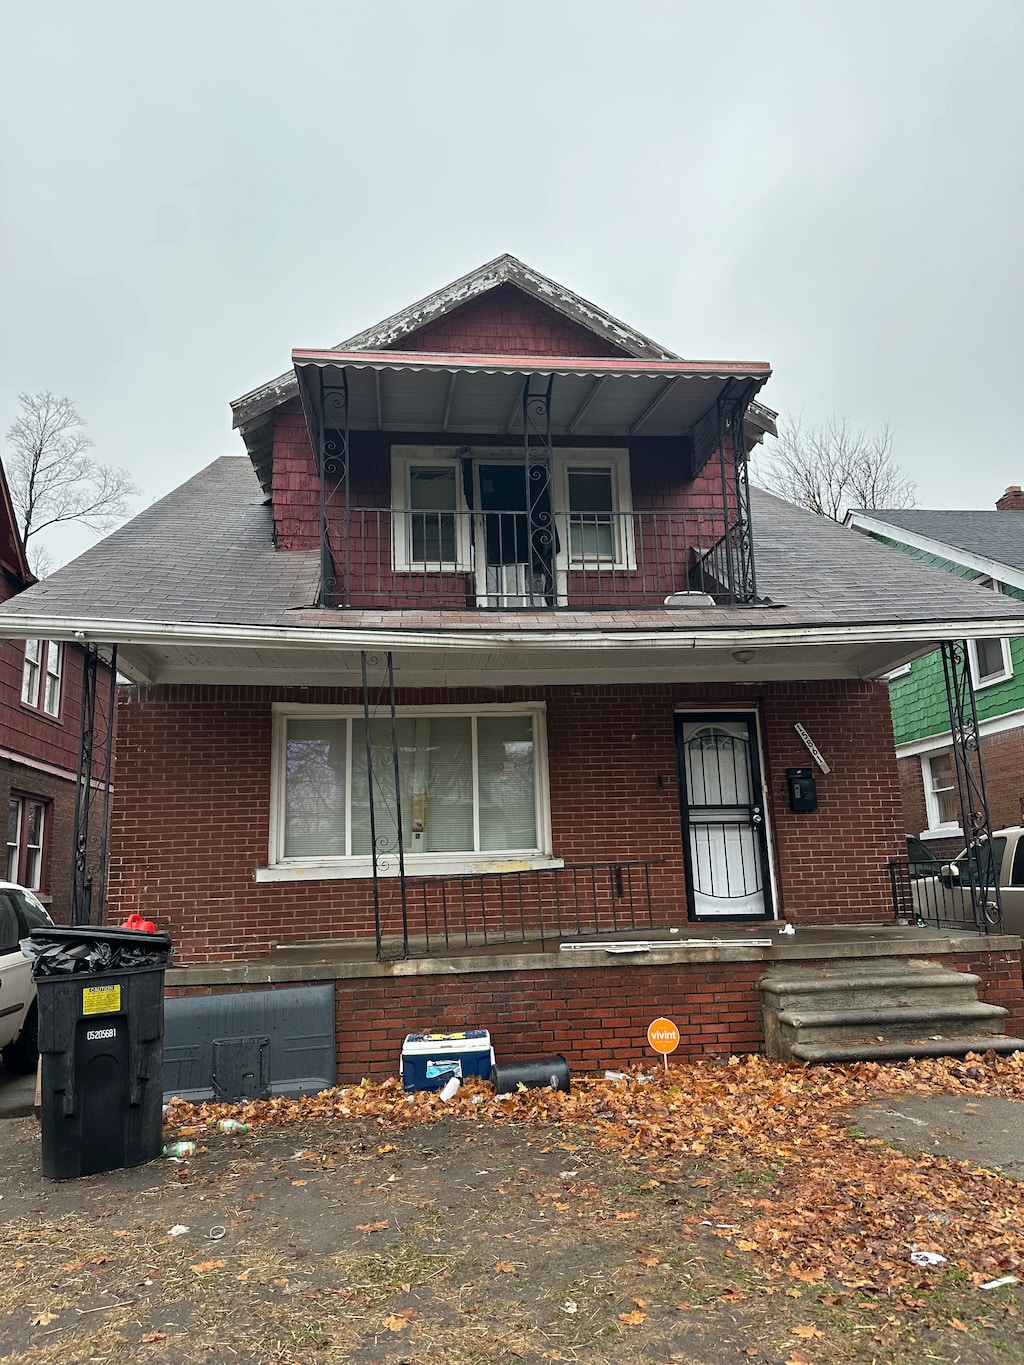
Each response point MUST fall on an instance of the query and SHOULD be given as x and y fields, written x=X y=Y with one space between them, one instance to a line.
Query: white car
x=20 y=913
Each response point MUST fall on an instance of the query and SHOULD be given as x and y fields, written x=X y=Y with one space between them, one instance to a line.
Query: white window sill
x=942 y=832
x=991 y=681
x=422 y=865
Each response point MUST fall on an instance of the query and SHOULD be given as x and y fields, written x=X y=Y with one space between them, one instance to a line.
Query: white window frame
x=20 y=852
x=280 y=868
x=616 y=459
x=993 y=678
x=32 y=672
x=44 y=659
x=403 y=460
x=937 y=829
x=53 y=672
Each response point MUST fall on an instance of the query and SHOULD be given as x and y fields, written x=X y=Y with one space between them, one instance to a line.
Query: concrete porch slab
x=351 y=959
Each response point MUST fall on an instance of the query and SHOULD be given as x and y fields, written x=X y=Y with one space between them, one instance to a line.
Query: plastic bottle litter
x=232 y=1126
x=180 y=1149
x=451 y=1089
x=998 y=1284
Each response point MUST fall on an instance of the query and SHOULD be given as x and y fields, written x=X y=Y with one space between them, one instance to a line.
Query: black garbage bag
x=65 y=952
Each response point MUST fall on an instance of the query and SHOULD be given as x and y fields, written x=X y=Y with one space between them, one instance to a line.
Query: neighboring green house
x=985 y=548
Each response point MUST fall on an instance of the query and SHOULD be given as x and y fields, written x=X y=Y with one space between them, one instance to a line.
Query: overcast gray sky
x=191 y=190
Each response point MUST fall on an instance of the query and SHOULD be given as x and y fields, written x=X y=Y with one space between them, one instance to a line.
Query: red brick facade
x=192 y=808
x=1003 y=756
x=39 y=761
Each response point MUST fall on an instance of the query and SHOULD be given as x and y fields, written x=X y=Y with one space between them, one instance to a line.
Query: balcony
x=498 y=560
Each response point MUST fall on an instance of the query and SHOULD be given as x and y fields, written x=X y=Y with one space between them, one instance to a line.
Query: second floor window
x=41 y=676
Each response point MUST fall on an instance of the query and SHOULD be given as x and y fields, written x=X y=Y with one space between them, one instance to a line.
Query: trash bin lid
x=67 y=936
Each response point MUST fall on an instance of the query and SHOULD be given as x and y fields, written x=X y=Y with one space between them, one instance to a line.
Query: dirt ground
x=458 y=1235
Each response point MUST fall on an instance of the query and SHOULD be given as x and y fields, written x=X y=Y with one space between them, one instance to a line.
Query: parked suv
x=20 y=913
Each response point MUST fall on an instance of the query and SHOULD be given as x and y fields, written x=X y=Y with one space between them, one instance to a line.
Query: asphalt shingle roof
x=992 y=535
x=205 y=555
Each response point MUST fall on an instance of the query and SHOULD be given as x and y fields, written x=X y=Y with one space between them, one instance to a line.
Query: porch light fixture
x=743 y=656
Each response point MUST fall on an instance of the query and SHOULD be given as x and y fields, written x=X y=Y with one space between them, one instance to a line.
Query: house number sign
x=812 y=748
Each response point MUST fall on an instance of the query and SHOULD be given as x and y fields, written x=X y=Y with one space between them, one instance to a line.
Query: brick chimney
x=1012 y=500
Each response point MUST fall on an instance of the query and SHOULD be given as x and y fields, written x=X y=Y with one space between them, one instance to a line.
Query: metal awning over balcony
x=483 y=394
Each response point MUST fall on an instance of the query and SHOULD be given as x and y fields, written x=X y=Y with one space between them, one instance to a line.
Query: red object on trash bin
x=135 y=921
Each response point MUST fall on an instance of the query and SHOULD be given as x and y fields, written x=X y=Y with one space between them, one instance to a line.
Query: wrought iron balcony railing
x=410 y=557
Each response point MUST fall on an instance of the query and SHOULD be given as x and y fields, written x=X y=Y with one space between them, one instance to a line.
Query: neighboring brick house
x=986 y=548
x=490 y=599
x=41 y=684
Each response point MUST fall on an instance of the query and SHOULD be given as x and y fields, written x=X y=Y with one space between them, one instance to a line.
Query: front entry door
x=725 y=839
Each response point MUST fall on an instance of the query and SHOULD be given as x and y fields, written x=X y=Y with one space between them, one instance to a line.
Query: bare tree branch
x=51 y=477
x=833 y=467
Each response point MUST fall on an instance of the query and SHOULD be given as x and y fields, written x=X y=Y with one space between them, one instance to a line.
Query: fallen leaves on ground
x=829 y=1204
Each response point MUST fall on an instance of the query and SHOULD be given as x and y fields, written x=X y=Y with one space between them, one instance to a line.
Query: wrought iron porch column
x=384 y=758
x=976 y=822
x=95 y=739
x=537 y=457
x=732 y=407
x=332 y=439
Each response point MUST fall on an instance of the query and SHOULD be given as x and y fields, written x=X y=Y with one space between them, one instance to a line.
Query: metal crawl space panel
x=249 y=1044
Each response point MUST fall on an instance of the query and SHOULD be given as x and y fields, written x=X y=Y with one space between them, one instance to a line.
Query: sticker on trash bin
x=101 y=999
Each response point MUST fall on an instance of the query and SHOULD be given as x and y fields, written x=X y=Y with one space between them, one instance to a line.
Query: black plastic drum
x=534 y=1073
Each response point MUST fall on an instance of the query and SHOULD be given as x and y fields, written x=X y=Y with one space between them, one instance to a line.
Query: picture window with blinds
x=470 y=783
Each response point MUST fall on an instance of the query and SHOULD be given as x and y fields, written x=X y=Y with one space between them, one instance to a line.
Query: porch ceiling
x=408 y=391
x=446 y=660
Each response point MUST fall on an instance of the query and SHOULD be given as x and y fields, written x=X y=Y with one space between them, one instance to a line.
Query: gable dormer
x=504 y=431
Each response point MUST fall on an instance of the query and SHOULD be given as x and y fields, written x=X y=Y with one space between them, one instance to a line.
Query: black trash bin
x=101 y=1026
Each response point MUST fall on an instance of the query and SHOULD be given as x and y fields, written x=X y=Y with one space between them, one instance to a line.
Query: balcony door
x=725 y=836
x=507 y=574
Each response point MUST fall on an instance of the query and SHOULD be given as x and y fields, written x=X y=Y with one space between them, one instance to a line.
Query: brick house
x=41 y=698
x=487 y=653
x=987 y=548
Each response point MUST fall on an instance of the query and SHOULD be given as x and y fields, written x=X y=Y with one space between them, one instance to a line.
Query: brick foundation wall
x=191 y=813
x=596 y=1017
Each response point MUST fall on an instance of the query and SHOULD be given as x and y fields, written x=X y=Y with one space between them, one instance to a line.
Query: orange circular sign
x=663 y=1036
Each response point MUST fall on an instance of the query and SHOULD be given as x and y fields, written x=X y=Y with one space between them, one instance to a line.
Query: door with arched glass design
x=725 y=836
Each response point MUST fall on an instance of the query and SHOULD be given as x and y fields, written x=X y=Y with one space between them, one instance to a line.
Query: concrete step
x=916 y=1021
x=815 y=989
x=881 y=1011
x=900 y=1050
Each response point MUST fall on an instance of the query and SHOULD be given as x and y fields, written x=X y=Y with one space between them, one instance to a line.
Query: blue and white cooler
x=430 y=1060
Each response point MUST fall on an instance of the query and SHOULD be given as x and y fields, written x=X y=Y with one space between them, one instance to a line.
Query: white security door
x=724 y=832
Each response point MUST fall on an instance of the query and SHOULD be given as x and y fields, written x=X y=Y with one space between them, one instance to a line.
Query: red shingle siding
x=506 y=322
x=192 y=806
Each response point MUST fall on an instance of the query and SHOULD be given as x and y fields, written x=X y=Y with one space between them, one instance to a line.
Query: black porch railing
x=530 y=906
x=923 y=893
x=396 y=557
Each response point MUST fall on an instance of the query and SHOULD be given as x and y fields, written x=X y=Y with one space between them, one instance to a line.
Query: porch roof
x=193 y=590
x=484 y=394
